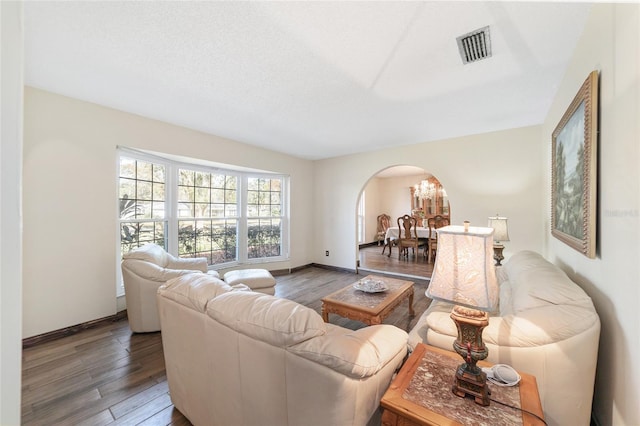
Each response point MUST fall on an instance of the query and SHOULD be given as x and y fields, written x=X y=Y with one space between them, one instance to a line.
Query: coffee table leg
x=411 y=311
x=325 y=314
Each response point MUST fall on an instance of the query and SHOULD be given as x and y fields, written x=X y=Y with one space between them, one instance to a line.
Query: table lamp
x=500 y=233
x=464 y=275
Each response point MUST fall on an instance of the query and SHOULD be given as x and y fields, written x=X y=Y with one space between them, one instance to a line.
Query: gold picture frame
x=574 y=171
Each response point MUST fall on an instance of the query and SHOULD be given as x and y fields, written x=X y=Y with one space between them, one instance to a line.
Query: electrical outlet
x=326 y=253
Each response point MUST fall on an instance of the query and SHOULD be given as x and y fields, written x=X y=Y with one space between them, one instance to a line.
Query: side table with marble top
x=421 y=395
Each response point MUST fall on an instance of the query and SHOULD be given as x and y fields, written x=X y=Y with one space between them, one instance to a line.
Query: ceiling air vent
x=475 y=45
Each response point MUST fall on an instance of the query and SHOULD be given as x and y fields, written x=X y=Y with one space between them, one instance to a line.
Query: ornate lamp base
x=472 y=383
x=497 y=254
x=470 y=379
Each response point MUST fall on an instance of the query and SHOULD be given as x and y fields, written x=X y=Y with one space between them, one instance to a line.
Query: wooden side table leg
x=411 y=311
x=389 y=418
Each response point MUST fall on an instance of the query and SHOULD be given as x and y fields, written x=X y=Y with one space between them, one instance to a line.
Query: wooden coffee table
x=370 y=308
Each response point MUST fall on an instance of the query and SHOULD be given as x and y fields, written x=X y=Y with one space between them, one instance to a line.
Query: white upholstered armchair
x=144 y=269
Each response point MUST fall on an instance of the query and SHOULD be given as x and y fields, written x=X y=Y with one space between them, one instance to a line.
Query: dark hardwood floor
x=108 y=376
x=415 y=266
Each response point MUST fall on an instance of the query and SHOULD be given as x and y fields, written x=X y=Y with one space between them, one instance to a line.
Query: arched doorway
x=396 y=191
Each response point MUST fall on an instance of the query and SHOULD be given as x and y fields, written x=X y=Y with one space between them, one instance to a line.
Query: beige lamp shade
x=500 y=229
x=464 y=273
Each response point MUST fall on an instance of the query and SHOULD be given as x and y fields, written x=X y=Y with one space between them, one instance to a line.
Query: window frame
x=172 y=218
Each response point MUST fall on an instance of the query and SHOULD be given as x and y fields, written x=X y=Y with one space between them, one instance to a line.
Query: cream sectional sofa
x=245 y=358
x=546 y=326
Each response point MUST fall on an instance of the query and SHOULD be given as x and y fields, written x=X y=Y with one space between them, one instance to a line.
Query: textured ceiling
x=311 y=79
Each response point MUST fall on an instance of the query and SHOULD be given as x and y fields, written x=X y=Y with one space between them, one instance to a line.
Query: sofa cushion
x=358 y=354
x=194 y=290
x=254 y=278
x=535 y=283
x=149 y=253
x=505 y=304
x=279 y=322
x=529 y=328
x=152 y=255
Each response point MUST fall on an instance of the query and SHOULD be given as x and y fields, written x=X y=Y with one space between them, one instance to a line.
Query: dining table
x=393 y=233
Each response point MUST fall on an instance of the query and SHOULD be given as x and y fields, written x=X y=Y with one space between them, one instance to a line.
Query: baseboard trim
x=415 y=278
x=299 y=268
x=334 y=268
x=364 y=245
x=68 y=331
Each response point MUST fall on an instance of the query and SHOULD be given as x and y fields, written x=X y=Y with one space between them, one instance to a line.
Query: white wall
x=70 y=192
x=390 y=195
x=467 y=167
x=11 y=102
x=396 y=192
x=385 y=195
x=372 y=209
x=610 y=44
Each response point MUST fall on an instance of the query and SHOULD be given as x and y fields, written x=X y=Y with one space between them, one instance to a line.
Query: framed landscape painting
x=574 y=171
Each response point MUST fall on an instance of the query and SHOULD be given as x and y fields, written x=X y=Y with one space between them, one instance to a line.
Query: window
x=207 y=215
x=264 y=217
x=141 y=199
x=228 y=216
x=361 y=220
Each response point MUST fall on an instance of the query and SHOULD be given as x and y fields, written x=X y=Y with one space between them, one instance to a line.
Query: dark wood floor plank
x=113 y=367
x=139 y=379
x=67 y=344
x=139 y=400
x=49 y=414
x=102 y=418
x=148 y=411
x=168 y=416
x=108 y=375
x=371 y=258
x=41 y=375
x=63 y=386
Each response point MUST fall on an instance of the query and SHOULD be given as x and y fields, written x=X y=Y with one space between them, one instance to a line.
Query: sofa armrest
x=196 y=263
x=357 y=354
x=153 y=272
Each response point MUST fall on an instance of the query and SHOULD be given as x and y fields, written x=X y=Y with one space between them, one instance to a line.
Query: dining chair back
x=434 y=223
x=384 y=221
x=407 y=236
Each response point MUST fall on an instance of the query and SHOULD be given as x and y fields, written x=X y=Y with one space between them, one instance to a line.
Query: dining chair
x=435 y=222
x=384 y=221
x=407 y=236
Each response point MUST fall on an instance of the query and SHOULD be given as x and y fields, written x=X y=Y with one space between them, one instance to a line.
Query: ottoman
x=259 y=280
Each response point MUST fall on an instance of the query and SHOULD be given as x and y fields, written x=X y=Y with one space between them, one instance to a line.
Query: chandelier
x=425 y=190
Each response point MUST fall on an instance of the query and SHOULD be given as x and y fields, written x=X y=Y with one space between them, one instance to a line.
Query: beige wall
x=610 y=44
x=477 y=184
x=70 y=188
x=396 y=195
x=388 y=195
x=11 y=112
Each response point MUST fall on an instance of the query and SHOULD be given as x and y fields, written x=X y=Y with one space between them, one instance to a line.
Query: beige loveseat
x=246 y=358
x=546 y=326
